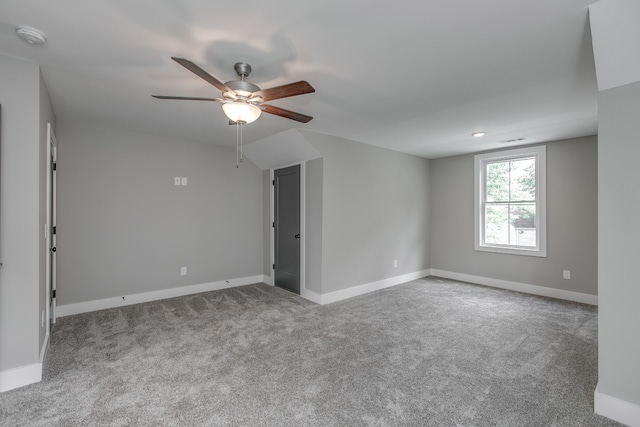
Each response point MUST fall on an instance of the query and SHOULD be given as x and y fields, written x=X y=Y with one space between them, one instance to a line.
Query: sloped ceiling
x=412 y=76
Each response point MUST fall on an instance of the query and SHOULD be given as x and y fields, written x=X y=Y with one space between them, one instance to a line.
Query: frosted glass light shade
x=241 y=111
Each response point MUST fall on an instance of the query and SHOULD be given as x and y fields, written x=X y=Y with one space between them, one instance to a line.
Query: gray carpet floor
x=430 y=352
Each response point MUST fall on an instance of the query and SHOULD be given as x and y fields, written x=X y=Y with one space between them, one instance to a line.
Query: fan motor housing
x=242 y=88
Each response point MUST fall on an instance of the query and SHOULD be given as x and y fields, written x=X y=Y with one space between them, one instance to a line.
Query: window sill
x=512 y=251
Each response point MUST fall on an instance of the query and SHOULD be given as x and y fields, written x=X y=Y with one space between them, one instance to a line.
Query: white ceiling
x=413 y=76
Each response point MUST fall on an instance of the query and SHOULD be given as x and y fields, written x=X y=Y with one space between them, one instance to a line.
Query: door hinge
x=274 y=266
x=273 y=182
x=53 y=231
x=273 y=224
x=55 y=166
x=53 y=294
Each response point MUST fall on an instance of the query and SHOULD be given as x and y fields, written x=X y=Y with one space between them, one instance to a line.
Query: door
x=50 y=227
x=287 y=228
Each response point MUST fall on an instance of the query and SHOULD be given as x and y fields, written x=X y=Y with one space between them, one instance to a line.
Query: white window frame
x=480 y=163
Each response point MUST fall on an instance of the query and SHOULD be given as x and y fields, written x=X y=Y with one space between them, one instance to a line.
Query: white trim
x=480 y=160
x=304 y=293
x=20 y=377
x=47 y=232
x=303 y=228
x=272 y=232
x=102 y=304
x=368 y=287
x=311 y=296
x=48 y=227
x=264 y=278
x=519 y=287
x=616 y=409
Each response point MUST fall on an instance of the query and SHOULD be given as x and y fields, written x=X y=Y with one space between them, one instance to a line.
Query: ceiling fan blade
x=187 y=98
x=285 y=113
x=284 y=91
x=201 y=73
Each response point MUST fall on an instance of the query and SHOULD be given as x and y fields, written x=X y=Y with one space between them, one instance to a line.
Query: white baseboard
x=304 y=293
x=24 y=375
x=342 y=294
x=101 y=304
x=355 y=290
x=520 y=287
x=311 y=296
x=20 y=377
x=616 y=409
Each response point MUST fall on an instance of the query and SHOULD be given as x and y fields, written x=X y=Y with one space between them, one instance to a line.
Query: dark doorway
x=287 y=228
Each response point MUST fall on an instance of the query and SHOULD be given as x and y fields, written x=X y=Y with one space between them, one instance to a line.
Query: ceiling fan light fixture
x=478 y=134
x=241 y=111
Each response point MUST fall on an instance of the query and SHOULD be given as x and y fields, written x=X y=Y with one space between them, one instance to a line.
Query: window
x=510 y=206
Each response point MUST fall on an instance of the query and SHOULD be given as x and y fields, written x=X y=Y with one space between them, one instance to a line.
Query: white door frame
x=303 y=290
x=48 y=227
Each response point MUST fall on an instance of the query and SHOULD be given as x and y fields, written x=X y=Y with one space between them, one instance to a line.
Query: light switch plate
x=176 y=180
x=184 y=181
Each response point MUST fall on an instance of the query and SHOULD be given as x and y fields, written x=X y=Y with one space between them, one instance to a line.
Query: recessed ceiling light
x=31 y=35
x=478 y=134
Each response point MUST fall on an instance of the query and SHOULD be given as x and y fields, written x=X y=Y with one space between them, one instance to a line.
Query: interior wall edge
x=45 y=347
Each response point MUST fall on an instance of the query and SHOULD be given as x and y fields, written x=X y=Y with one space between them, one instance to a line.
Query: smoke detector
x=31 y=35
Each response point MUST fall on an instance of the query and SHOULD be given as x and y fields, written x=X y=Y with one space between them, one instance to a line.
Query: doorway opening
x=288 y=221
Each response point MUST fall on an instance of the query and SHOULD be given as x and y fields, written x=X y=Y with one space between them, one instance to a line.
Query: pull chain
x=239 y=124
x=237 y=143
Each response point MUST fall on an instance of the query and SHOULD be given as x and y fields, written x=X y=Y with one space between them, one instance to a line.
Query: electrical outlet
x=183 y=181
x=395 y=263
x=566 y=274
x=183 y=271
x=176 y=180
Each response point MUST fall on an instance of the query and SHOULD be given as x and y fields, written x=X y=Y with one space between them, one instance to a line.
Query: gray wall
x=313 y=225
x=124 y=228
x=21 y=334
x=619 y=253
x=375 y=209
x=571 y=221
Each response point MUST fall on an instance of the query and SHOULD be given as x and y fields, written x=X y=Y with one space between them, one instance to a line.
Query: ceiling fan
x=243 y=102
